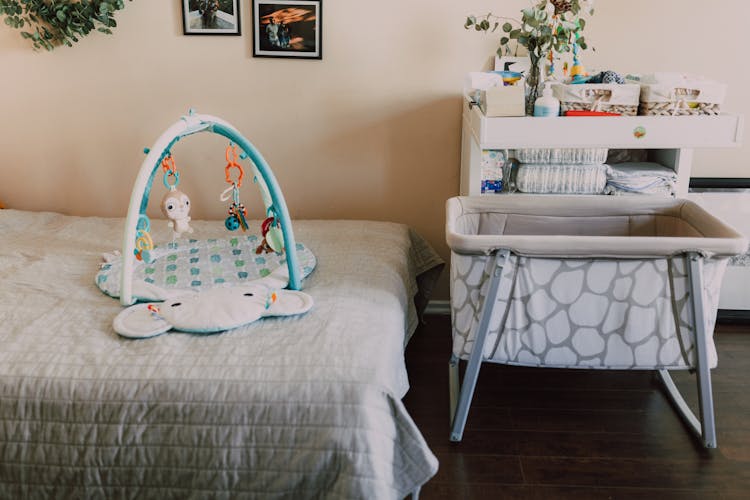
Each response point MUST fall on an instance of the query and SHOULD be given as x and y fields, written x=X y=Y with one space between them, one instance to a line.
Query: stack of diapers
x=640 y=178
x=561 y=170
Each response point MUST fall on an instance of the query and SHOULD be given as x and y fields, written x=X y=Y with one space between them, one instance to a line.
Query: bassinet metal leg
x=705 y=428
x=458 y=420
x=453 y=384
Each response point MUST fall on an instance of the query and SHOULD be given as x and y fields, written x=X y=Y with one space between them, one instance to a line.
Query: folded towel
x=640 y=178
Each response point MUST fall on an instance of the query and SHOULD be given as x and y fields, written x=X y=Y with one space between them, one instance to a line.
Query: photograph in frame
x=287 y=28
x=211 y=17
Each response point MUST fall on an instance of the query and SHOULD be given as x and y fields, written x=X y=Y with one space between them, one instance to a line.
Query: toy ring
x=144 y=242
x=232 y=162
x=233 y=150
x=229 y=176
x=165 y=179
x=146 y=226
x=167 y=165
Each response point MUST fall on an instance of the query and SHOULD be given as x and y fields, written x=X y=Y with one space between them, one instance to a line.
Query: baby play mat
x=148 y=271
x=198 y=264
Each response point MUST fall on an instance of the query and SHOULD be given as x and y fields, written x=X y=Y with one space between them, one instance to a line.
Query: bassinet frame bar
x=270 y=190
x=461 y=394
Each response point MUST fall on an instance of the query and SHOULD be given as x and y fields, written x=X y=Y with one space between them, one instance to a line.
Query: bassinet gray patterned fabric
x=593 y=313
x=591 y=282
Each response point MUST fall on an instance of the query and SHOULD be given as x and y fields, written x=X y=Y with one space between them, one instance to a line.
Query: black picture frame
x=211 y=17
x=298 y=33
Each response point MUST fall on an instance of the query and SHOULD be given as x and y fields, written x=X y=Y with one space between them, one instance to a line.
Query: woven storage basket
x=682 y=98
x=608 y=97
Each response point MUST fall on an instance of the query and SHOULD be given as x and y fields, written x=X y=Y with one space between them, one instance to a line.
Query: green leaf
x=59 y=22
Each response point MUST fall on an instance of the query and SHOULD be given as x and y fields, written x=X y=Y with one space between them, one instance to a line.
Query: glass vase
x=532 y=85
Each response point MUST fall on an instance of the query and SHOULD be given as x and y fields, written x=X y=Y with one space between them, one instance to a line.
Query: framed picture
x=290 y=28
x=211 y=17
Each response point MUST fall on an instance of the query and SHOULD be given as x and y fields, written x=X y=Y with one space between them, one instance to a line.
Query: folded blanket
x=640 y=178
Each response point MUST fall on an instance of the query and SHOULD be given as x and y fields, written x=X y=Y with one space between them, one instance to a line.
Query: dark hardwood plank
x=546 y=433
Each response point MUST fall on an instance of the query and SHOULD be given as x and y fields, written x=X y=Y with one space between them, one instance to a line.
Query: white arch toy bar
x=270 y=192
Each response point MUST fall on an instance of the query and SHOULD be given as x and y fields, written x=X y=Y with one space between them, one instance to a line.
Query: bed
x=295 y=407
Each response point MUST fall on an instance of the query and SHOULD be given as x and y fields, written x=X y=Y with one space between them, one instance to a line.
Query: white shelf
x=672 y=137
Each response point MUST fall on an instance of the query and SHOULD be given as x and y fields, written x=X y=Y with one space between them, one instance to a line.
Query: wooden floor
x=556 y=434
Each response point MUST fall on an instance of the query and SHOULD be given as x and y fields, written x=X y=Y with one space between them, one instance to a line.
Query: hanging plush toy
x=175 y=205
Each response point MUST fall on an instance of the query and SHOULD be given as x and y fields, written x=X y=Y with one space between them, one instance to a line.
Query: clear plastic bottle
x=547 y=105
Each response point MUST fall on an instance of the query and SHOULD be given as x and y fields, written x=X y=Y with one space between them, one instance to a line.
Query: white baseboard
x=438 y=307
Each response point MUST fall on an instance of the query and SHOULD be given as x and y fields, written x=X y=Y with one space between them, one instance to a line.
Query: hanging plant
x=49 y=23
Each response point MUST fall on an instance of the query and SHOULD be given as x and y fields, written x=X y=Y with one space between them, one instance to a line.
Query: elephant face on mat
x=210 y=311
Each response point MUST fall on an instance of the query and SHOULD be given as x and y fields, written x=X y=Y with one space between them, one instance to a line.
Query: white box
x=504 y=101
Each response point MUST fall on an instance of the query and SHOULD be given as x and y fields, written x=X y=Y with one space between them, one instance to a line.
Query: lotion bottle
x=547 y=105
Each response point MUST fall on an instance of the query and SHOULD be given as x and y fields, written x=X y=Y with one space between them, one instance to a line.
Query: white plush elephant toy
x=210 y=311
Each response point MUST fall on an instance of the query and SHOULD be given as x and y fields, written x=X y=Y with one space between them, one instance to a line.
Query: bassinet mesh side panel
x=583 y=313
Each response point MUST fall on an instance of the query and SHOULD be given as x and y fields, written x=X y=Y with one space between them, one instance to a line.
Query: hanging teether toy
x=175 y=205
x=143 y=242
x=273 y=237
x=237 y=212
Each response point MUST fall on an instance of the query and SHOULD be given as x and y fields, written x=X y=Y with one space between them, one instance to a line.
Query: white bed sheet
x=299 y=407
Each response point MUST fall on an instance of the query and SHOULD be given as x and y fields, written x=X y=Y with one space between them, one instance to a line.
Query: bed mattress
x=296 y=407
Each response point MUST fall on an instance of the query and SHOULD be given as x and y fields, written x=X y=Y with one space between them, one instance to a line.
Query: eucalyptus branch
x=547 y=26
x=51 y=23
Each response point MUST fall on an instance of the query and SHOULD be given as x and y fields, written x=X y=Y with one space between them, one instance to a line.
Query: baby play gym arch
x=273 y=198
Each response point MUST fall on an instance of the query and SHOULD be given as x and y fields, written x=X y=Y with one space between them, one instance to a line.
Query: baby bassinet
x=586 y=282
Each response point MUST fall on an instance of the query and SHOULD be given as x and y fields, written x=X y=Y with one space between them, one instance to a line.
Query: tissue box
x=609 y=97
x=671 y=94
x=504 y=101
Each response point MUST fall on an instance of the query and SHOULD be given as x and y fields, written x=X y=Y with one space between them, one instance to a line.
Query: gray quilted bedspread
x=299 y=407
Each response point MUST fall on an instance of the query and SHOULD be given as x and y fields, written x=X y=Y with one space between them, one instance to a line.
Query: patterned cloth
x=586 y=313
x=194 y=264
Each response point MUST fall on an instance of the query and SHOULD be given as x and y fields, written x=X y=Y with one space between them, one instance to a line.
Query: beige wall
x=370 y=132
